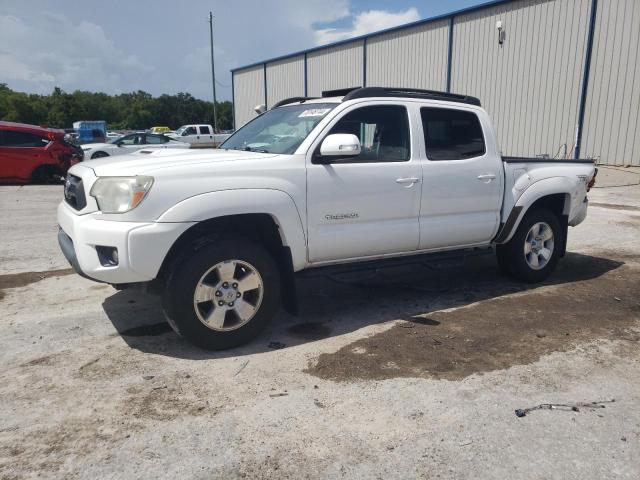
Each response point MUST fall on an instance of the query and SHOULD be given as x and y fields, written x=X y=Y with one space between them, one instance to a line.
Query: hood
x=150 y=162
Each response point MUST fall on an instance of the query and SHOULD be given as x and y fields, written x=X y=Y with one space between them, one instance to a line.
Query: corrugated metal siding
x=248 y=88
x=531 y=84
x=611 y=130
x=413 y=58
x=333 y=68
x=285 y=79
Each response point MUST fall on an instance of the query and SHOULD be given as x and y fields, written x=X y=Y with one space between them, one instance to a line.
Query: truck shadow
x=336 y=306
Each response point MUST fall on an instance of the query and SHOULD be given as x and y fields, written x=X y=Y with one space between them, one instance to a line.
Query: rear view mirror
x=340 y=145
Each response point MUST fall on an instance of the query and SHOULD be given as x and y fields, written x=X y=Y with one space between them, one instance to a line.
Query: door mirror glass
x=340 y=145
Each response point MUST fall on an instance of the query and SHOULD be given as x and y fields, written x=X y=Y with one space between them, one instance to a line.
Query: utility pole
x=213 y=75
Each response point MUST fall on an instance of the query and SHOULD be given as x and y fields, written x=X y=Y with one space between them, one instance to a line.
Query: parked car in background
x=129 y=144
x=160 y=130
x=29 y=153
x=196 y=135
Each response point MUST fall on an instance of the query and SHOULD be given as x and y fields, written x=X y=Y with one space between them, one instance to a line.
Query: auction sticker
x=314 y=112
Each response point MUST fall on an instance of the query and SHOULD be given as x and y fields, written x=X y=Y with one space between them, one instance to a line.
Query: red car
x=29 y=153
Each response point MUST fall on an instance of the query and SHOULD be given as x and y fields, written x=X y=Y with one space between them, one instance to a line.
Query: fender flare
x=535 y=192
x=275 y=203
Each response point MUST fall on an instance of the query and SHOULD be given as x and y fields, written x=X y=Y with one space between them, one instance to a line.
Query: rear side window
x=451 y=134
x=156 y=139
x=9 y=138
x=383 y=132
x=204 y=130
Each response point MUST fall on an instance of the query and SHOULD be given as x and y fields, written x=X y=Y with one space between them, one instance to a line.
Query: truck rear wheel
x=532 y=254
x=222 y=294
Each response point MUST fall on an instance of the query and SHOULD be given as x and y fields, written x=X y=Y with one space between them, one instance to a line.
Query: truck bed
x=546 y=160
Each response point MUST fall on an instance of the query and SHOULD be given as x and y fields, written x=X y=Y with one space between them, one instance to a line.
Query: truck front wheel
x=222 y=294
x=532 y=254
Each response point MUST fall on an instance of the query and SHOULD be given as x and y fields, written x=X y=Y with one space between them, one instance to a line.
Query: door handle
x=486 y=177
x=409 y=181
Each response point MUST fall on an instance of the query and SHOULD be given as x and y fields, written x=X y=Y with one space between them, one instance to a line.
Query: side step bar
x=429 y=259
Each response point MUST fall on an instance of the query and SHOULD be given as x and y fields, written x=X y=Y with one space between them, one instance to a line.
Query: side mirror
x=339 y=145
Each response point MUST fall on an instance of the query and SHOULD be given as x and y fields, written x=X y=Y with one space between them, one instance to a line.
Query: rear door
x=21 y=153
x=205 y=135
x=463 y=182
x=156 y=141
x=366 y=205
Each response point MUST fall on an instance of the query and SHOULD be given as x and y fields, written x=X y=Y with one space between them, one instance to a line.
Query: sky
x=162 y=46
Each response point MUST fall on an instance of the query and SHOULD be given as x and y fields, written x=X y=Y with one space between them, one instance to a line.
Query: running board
x=434 y=259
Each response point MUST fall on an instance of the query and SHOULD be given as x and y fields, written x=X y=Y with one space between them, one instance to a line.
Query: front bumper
x=141 y=246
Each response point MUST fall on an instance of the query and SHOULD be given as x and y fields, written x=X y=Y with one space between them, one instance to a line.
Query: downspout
x=585 y=79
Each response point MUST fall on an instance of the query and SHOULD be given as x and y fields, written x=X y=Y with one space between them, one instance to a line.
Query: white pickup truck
x=372 y=177
x=198 y=136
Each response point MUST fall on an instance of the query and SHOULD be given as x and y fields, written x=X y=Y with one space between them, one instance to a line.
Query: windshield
x=281 y=130
x=180 y=130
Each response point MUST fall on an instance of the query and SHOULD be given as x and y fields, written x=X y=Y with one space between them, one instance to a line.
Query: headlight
x=120 y=194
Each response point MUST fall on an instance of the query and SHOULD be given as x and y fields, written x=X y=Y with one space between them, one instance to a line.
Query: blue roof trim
x=475 y=8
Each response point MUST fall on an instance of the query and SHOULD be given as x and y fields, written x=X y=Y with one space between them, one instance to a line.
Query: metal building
x=558 y=77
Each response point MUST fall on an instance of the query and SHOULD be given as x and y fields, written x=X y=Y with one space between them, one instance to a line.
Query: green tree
x=134 y=110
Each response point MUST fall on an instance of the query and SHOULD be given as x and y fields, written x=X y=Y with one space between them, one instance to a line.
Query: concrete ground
x=408 y=373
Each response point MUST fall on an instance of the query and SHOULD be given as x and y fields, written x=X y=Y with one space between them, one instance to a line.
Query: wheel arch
x=261 y=228
x=44 y=173
x=100 y=154
x=552 y=194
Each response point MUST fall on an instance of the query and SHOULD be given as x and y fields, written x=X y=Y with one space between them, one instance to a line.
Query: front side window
x=280 y=130
x=10 y=138
x=189 y=131
x=134 y=139
x=451 y=134
x=383 y=131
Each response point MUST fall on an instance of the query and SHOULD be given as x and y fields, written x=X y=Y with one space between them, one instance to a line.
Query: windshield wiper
x=247 y=148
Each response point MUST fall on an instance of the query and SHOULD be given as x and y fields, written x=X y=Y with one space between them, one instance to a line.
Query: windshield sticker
x=314 y=112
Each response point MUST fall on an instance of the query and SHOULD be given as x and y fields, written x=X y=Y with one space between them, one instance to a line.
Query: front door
x=190 y=135
x=206 y=136
x=462 y=187
x=366 y=205
x=131 y=143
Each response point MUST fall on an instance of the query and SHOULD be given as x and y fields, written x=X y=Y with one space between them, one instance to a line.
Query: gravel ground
x=412 y=373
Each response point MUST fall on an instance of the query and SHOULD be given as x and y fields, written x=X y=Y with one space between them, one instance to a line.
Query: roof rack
x=340 y=92
x=366 y=92
x=287 y=101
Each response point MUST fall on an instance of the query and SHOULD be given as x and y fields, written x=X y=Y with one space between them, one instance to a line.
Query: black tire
x=178 y=297
x=99 y=155
x=46 y=174
x=512 y=258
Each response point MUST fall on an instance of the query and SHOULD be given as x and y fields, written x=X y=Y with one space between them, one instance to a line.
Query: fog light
x=108 y=256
